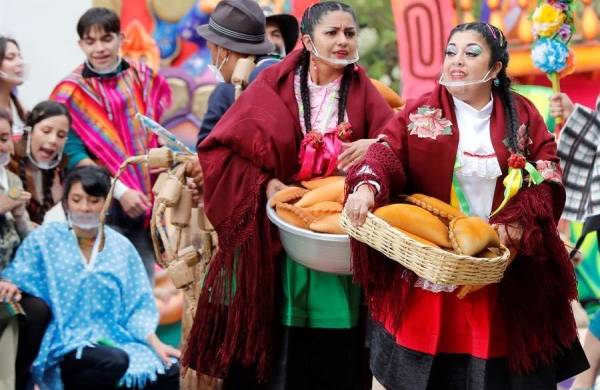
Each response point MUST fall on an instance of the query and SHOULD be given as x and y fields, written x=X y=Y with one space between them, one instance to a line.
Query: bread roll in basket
x=429 y=262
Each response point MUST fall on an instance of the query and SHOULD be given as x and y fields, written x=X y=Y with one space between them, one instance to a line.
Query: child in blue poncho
x=101 y=335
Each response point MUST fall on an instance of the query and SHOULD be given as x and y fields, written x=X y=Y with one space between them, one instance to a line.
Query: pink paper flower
x=427 y=122
x=548 y=170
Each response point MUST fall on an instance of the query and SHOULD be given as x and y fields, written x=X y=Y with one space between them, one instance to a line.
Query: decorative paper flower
x=517 y=161
x=427 y=122
x=314 y=138
x=570 y=68
x=550 y=56
x=547 y=19
x=344 y=131
x=548 y=170
x=564 y=33
x=523 y=139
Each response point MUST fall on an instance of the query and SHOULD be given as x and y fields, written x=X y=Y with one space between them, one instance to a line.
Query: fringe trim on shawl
x=539 y=284
x=236 y=309
x=377 y=274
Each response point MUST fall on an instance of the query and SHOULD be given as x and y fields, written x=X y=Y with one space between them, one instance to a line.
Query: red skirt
x=435 y=323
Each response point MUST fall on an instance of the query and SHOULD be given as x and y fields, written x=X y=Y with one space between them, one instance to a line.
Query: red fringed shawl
x=535 y=294
x=256 y=140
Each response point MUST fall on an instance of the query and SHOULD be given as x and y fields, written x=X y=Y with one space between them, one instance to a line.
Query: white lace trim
x=484 y=166
x=433 y=287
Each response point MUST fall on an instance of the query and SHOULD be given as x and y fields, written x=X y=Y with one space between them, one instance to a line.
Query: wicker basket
x=433 y=264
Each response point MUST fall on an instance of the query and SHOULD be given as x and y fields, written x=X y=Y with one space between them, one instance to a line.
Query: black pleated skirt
x=398 y=368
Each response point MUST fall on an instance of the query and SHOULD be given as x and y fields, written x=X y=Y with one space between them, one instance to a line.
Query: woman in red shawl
x=266 y=140
x=460 y=139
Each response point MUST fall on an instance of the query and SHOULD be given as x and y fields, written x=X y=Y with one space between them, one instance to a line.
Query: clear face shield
x=16 y=78
x=335 y=62
x=460 y=86
x=4 y=159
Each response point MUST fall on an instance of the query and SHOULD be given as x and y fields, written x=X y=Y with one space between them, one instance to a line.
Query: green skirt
x=317 y=299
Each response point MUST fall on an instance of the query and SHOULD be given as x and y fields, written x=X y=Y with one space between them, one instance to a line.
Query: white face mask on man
x=216 y=68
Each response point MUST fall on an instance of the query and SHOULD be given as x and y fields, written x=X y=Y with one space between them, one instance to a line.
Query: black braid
x=512 y=124
x=304 y=92
x=343 y=93
x=498 y=45
x=22 y=172
x=47 y=182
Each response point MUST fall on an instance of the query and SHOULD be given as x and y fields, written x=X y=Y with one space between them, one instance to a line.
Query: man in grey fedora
x=237 y=30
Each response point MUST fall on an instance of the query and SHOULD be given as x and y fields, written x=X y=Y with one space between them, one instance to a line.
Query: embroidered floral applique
x=427 y=122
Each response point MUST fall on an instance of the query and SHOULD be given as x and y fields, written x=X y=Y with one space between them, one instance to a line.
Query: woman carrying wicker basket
x=459 y=141
x=295 y=114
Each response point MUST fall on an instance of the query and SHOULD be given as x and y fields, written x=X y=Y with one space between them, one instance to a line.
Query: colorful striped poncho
x=103 y=115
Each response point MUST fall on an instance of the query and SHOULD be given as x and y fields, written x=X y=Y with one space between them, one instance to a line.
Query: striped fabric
x=578 y=151
x=103 y=115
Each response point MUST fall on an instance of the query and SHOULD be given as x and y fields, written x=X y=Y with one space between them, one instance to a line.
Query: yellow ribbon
x=512 y=184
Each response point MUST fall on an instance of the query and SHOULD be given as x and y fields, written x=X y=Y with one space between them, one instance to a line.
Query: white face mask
x=216 y=69
x=335 y=62
x=4 y=159
x=43 y=165
x=85 y=221
x=463 y=84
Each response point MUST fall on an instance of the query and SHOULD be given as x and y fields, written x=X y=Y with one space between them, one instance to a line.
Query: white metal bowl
x=318 y=251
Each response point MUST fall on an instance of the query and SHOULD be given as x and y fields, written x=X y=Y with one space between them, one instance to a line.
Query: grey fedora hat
x=237 y=25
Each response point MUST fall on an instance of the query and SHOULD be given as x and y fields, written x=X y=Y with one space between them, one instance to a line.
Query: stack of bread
x=313 y=205
x=435 y=223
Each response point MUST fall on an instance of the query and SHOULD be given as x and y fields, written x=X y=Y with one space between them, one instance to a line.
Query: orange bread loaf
x=328 y=192
x=320 y=182
x=328 y=224
x=325 y=208
x=417 y=238
x=434 y=206
x=294 y=215
x=471 y=235
x=287 y=195
x=417 y=221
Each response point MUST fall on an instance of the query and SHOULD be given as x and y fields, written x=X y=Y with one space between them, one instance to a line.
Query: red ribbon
x=319 y=152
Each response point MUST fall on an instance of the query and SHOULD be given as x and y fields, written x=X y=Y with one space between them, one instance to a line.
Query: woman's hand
x=359 y=203
x=353 y=152
x=561 y=105
x=273 y=187
x=164 y=351
x=17 y=206
x=9 y=292
x=510 y=236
